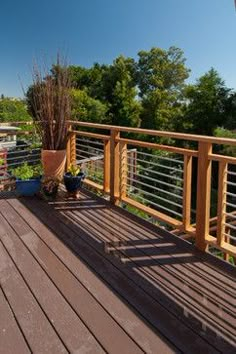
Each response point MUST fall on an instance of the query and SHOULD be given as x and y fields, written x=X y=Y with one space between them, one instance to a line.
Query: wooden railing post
x=203 y=194
x=68 y=154
x=73 y=148
x=115 y=168
x=187 y=192
x=107 y=161
x=123 y=170
x=221 y=207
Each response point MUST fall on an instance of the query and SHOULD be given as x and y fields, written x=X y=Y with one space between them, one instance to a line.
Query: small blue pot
x=73 y=183
x=29 y=187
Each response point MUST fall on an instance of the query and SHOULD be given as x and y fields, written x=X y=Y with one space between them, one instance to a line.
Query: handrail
x=161 y=133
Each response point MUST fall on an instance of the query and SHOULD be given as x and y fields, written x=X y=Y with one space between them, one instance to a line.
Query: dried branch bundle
x=49 y=103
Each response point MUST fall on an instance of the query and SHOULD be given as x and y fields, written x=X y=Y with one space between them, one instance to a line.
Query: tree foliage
x=206 y=101
x=151 y=92
x=86 y=108
x=161 y=77
x=13 y=110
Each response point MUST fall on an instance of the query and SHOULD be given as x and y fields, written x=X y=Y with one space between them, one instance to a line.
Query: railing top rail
x=181 y=136
x=16 y=123
x=167 y=134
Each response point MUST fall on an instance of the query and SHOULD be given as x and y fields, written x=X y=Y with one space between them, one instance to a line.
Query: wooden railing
x=162 y=180
x=179 y=180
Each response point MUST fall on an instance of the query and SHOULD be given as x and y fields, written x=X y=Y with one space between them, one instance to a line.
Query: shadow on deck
x=84 y=276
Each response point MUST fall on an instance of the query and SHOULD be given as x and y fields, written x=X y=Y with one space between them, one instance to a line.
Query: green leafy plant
x=2 y=162
x=74 y=170
x=26 y=171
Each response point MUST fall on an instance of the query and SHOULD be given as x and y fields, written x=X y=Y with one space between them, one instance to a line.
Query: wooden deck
x=86 y=277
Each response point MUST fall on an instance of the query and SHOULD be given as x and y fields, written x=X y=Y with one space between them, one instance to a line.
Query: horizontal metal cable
x=230 y=194
x=23 y=157
x=91 y=158
x=231 y=173
x=21 y=163
x=78 y=146
x=19 y=146
x=88 y=152
x=155 y=188
x=231 y=183
x=155 y=180
x=155 y=196
x=231 y=237
x=162 y=174
x=158 y=165
x=231 y=205
x=156 y=205
x=94 y=167
x=160 y=157
x=154 y=164
x=230 y=215
x=90 y=141
x=85 y=157
x=22 y=151
x=229 y=225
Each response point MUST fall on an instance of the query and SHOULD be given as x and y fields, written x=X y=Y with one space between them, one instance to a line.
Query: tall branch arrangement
x=49 y=103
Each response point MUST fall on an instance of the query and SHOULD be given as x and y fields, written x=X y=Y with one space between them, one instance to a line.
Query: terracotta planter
x=54 y=162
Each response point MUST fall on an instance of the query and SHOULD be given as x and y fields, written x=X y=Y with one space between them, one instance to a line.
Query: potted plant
x=50 y=187
x=49 y=103
x=28 y=179
x=73 y=180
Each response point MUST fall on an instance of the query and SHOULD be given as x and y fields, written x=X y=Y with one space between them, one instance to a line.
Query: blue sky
x=99 y=30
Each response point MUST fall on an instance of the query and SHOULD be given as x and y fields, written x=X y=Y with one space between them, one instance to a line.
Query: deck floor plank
x=60 y=315
x=165 y=322
x=120 y=311
x=96 y=318
x=39 y=334
x=121 y=284
x=165 y=268
x=10 y=334
x=192 y=301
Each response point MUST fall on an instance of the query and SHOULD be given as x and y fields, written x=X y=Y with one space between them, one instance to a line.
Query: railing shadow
x=144 y=267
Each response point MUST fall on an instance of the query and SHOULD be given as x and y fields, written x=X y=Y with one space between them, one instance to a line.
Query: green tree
x=122 y=93
x=206 y=101
x=230 y=112
x=13 y=110
x=86 y=108
x=161 y=75
x=113 y=85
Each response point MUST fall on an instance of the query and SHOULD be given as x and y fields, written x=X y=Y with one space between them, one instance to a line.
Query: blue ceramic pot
x=28 y=187
x=73 y=183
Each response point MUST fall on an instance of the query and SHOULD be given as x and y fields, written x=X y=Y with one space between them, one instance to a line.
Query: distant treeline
x=150 y=92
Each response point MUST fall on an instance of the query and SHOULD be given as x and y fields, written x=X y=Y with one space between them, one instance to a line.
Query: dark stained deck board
x=89 y=310
x=56 y=311
x=173 y=282
x=149 y=310
x=154 y=250
x=11 y=336
x=135 y=292
x=27 y=311
x=136 y=328
x=166 y=278
x=148 y=256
